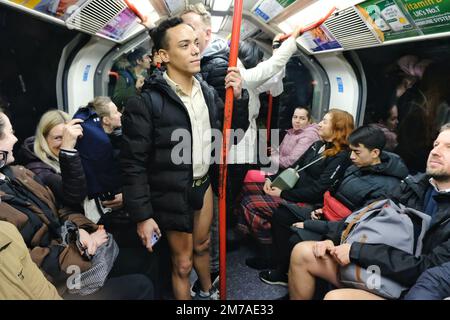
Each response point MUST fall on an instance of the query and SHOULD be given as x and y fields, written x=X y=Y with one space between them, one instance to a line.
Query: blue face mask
x=3 y=158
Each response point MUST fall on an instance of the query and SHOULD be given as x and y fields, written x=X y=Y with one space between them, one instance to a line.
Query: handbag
x=287 y=179
x=382 y=222
x=92 y=280
x=333 y=209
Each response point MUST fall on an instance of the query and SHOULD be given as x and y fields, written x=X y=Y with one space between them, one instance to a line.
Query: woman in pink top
x=297 y=140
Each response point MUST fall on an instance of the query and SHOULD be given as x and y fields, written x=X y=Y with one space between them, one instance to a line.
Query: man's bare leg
x=351 y=294
x=201 y=236
x=181 y=247
x=305 y=267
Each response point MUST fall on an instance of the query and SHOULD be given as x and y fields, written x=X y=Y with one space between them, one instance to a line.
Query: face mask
x=3 y=158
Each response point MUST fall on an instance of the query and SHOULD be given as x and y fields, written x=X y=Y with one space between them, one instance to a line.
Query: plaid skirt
x=256 y=210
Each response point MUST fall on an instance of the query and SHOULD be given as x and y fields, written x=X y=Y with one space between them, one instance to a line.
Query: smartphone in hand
x=154 y=238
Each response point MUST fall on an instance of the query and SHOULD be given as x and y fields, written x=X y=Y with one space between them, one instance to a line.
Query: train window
x=128 y=73
x=29 y=56
x=408 y=95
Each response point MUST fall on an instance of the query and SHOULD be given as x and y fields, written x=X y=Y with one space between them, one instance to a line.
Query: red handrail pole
x=269 y=118
x=228 y=114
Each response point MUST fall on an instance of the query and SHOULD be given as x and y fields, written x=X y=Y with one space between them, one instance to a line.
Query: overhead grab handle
x=145 y=21
x=312 y=25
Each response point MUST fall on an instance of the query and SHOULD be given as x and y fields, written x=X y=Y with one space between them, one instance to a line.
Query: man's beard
x=438 y=175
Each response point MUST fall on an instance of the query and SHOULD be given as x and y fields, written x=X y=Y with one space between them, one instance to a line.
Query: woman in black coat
x=51 y=155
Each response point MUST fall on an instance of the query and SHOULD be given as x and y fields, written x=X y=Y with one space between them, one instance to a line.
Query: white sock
x=204 y=294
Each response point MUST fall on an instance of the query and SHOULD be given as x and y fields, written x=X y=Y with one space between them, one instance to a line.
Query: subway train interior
x=381 y=61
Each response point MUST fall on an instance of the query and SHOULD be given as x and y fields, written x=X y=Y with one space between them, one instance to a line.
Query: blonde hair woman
x=51 y=155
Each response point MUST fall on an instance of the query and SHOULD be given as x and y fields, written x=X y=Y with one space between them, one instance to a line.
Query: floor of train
x=243 y=282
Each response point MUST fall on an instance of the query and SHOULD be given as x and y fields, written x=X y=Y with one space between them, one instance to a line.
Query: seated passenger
x=424 y=192
x=331 y=158
x=20 y=277
x=433 y=284
x=296 y=141
x=373 y=175
x=131 y=79
x=58 y=237
x=52 y=156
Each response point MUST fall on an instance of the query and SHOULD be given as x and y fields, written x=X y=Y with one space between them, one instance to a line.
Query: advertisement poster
x=56 y=8
x=319 y=39
x=269 y=9
x=431 y=16
x=118 y=26
x=389 y=18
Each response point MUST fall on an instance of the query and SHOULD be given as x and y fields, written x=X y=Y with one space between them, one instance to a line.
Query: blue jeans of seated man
x=433 y=284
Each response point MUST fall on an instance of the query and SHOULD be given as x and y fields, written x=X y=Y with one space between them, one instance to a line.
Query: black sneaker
x=274 y=277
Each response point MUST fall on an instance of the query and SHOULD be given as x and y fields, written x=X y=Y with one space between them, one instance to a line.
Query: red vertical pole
x=228 y=114
x=269 y=118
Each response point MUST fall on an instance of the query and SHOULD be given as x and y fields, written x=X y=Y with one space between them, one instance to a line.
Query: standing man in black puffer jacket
x=166 y=154
x=214 y=68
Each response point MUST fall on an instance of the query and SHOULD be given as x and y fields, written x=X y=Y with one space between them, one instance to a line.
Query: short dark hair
x=159 y=34
x=370 y=136
x=135 y=55
x=250 y=53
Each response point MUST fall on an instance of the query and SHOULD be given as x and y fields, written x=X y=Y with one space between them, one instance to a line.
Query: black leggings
x=129 y=287
x=284 y=239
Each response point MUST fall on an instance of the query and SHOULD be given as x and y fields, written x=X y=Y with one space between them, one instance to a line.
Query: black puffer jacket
x=362 y=185
x=69 y=186
x=315 y=180
x=153 y=185
x=214 y=66
x=396 y=264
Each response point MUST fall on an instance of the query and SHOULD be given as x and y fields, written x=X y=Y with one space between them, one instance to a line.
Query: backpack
x=126 y=74
x=382 y=222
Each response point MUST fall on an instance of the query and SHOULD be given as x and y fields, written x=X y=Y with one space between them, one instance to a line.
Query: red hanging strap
x=228 y=114
x=133 y=8
x=312 y=25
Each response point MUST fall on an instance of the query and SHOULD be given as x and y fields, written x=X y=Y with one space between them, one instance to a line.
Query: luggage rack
x=108 y=19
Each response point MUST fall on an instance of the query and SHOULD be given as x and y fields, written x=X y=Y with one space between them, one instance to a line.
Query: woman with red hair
x=329 y=158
